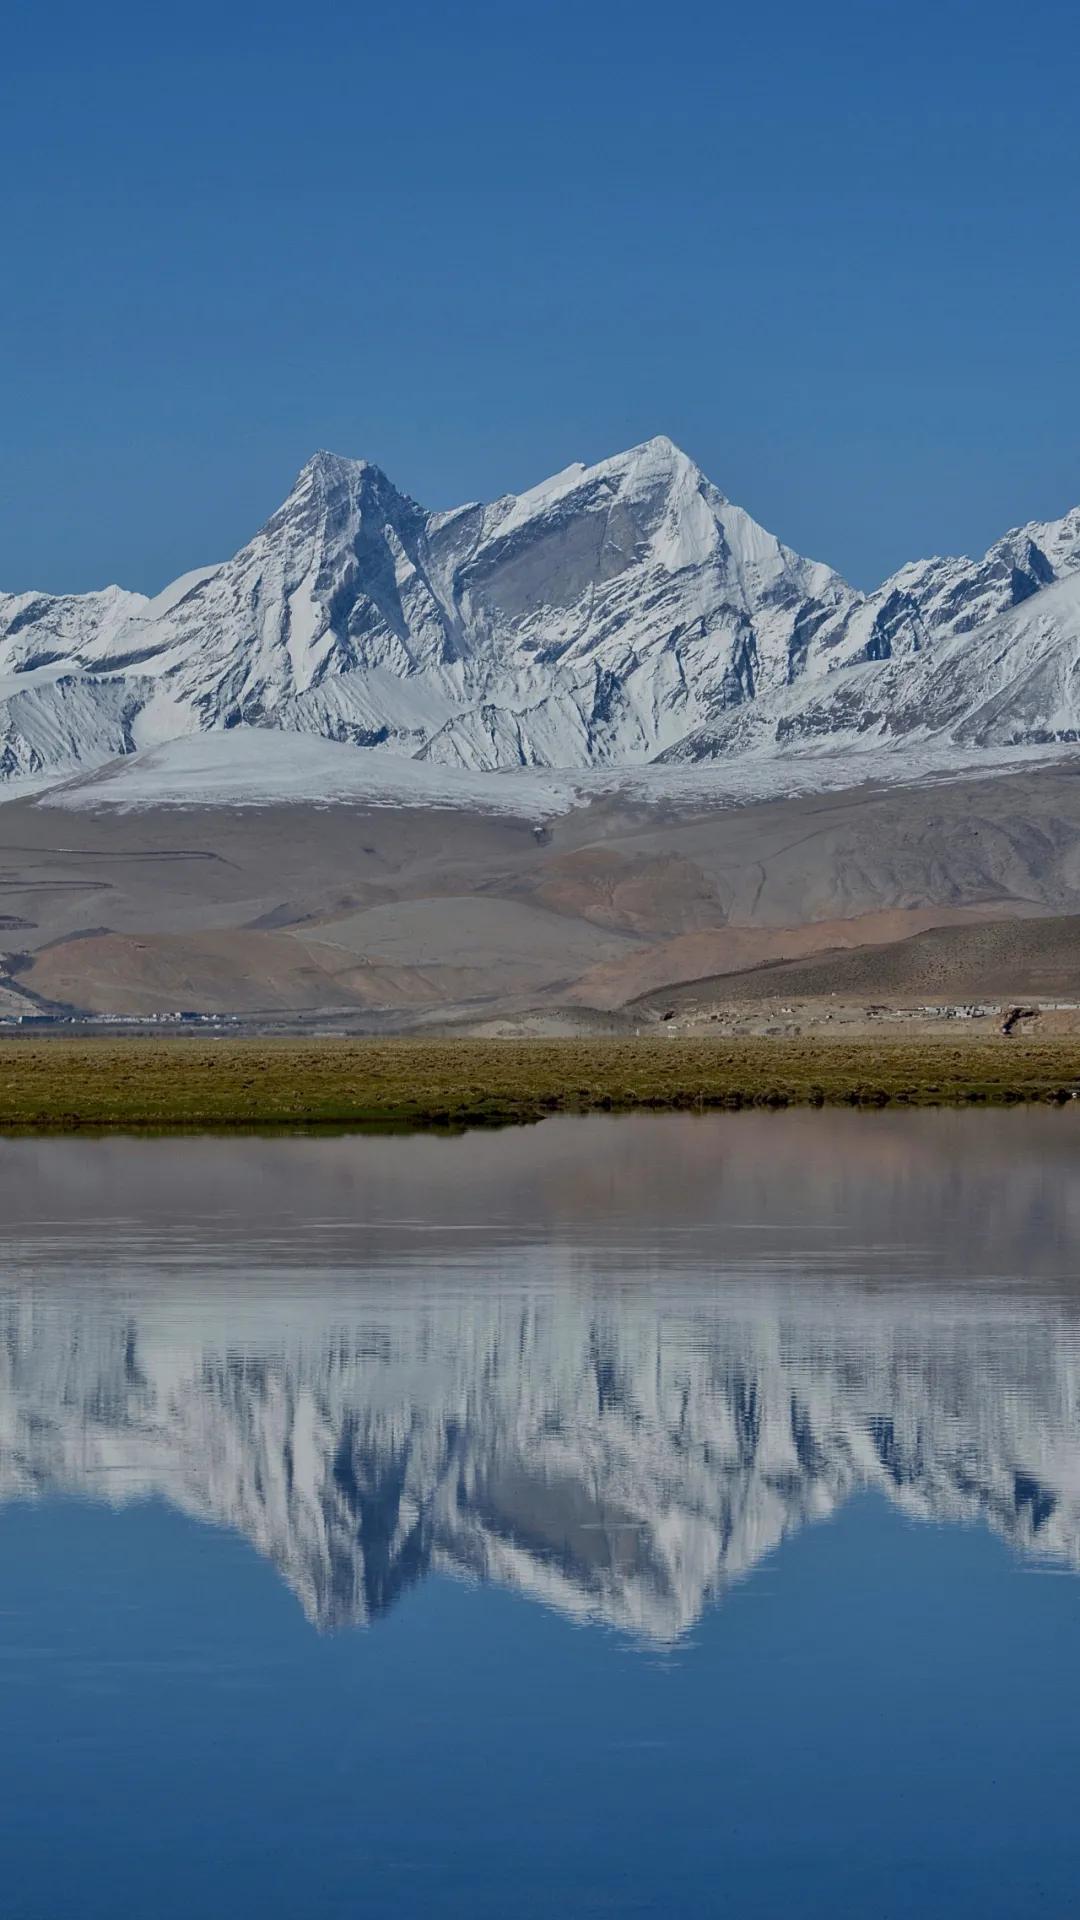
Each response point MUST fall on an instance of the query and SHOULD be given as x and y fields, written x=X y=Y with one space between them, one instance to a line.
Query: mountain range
x=615 y=615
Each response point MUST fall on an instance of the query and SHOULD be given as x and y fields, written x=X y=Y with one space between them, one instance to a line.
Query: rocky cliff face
x=614 y=615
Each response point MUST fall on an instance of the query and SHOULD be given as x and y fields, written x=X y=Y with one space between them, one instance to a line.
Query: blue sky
x=830 y=249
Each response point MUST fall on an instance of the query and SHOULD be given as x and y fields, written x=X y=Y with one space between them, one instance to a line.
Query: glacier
x=617 y=616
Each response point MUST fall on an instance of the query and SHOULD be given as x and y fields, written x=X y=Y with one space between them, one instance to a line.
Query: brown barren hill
x=301 y=908
x=726 y=951
x=994 y=960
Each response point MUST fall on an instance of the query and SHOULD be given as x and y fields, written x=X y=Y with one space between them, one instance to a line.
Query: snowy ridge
x=616 y=1465
x=614 y=616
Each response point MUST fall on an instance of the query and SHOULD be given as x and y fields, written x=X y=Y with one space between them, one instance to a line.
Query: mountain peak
x=659 y=446
x=324 y=468
x=658 y=454
x=332 y=480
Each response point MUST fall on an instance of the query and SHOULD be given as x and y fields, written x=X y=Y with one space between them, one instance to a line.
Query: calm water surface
x=649 y=1516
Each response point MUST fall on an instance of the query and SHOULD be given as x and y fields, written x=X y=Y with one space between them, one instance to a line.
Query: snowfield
x=254 y=767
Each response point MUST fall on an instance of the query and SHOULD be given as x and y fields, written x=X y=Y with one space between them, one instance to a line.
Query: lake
x=647 y=1516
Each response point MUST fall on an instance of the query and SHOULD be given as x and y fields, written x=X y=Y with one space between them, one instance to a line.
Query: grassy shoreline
x=61 y=1085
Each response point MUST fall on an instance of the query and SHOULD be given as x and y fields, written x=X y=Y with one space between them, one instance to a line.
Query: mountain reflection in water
x=609 y=1364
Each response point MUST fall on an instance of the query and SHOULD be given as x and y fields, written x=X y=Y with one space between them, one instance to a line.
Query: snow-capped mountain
x=620 y=1464
x=614 y=615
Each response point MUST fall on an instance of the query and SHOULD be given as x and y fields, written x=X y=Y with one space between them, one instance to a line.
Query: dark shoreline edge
x=195 y=1085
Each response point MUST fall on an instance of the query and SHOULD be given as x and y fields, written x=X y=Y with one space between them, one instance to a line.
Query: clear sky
x=831 y=249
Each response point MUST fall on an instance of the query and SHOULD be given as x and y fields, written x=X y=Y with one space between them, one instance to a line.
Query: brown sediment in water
x=58 y=1084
